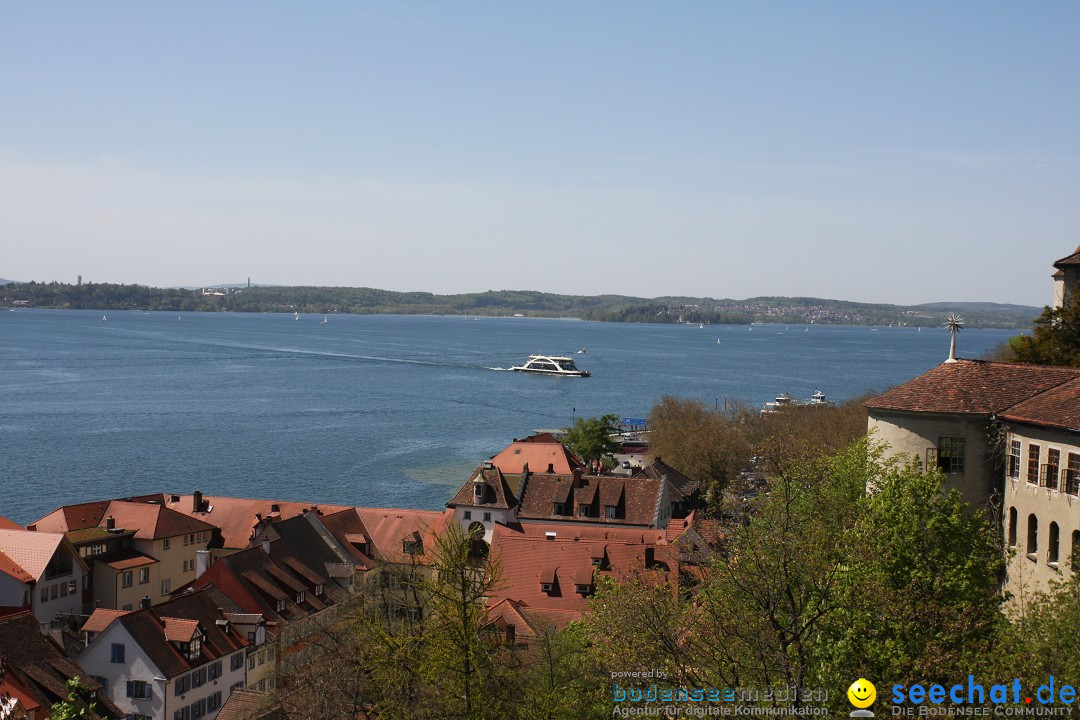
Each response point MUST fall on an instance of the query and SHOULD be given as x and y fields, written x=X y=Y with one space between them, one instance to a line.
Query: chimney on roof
x=202 y=562
x=110 y=523
x=174 y=499
x=551 y=468
x=316 y=509
x=196 y=501
x=579 y=480
x=145 y=602
x=275 y=508
x=488 y=465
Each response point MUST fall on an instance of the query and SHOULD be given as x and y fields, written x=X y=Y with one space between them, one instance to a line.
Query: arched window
x=1032 y=536
x=1052 y=546
x=1012 y=527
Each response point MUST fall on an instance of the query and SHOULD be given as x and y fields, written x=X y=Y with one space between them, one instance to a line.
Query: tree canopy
x=590 y=438
x=1055 y=340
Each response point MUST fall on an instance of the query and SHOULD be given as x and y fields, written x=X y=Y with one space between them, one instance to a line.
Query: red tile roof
x=237 y=517
x=73 y=517
x=6 y=524
x=32 y=551
x=495 y=493
x=12 y=568
x=156 y=629
x=100 y=619
x=1073 y=259
x=256 y=584
x=973 y=387
x=388 y=528
x=126 y=559
x=349 y=530
x=537 y=452
x=151 y=521
x=528 y=559
x=635 y=499
x=179 y=629
x=39 y=668
x=251 y=705
x=1057 y=407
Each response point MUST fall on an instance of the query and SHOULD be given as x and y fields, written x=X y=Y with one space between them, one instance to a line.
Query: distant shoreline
x=510 y=303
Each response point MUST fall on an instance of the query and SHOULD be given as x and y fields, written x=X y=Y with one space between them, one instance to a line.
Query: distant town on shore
x=502 y=303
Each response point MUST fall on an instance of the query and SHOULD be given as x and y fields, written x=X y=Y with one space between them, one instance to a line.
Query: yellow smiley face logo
x=862 y=693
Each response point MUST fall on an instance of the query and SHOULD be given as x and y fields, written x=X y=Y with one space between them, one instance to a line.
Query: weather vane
x=954 y=323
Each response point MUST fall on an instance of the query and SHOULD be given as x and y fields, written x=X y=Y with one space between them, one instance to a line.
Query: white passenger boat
x=551 y=365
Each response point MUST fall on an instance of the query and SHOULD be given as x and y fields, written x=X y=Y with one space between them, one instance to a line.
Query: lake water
x=376 y=410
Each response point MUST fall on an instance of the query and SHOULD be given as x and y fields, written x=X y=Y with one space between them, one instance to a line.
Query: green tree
x=562 y=682
x=919 y=599
x=73 y=708
x=590 y=438
x=412 y=643
x=763 y=607
x=1055 y=340
x=463 y=661
x=1042 y=640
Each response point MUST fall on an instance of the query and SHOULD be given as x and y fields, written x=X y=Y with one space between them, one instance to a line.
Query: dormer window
x=413 y=545
x=546 y=587
x=193 y=649
x=583 y=511
x=318 y=589
x=559 y=509
x=280 y=605
x=300 y=597
x=610 y=511
x=584 y=589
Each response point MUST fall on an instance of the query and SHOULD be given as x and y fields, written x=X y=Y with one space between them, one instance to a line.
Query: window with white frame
x=950 y=456
x=1014 y=459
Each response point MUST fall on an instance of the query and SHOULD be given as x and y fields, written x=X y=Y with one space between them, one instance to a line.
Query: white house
x=43 y=572
x=179 y=660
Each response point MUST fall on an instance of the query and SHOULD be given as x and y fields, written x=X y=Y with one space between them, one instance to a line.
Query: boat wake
x=491 y=368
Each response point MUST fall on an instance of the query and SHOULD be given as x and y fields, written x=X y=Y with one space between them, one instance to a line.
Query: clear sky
x=876 y=151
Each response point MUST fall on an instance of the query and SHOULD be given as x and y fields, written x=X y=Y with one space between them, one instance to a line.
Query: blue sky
x=883 y=152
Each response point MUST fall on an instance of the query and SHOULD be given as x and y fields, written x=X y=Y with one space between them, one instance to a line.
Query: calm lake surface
x=376 y=410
